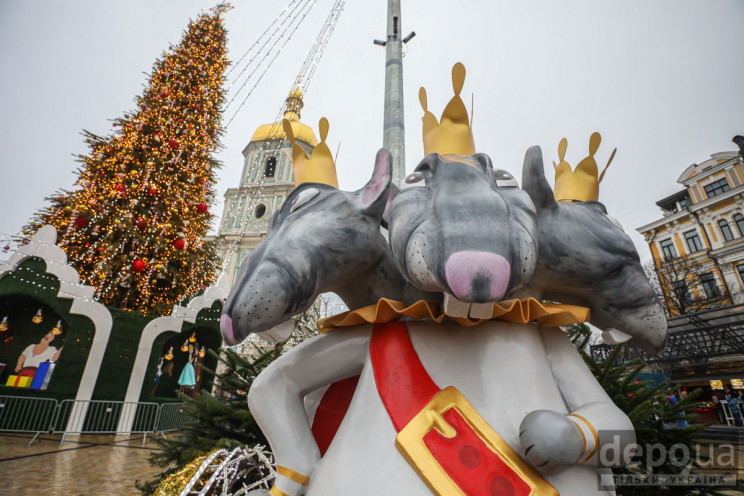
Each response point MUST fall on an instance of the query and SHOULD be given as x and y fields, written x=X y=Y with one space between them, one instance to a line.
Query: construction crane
x=248 y=73
x=259 y=58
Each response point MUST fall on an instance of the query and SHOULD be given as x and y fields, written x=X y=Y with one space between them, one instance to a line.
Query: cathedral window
x=270 y=167
x=260 y=210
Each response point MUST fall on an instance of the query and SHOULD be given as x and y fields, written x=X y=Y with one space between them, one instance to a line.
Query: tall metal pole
x=393 y=134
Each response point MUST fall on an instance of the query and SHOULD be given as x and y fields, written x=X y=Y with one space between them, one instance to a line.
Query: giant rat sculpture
x=502 y=407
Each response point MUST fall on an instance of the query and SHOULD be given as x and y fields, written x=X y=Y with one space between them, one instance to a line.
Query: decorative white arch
x=156 y=327
x=43 y=246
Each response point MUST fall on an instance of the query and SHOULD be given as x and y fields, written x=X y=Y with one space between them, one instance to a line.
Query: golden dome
x=301 y=131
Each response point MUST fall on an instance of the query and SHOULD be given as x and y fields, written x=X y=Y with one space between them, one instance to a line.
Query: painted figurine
x=464 y=384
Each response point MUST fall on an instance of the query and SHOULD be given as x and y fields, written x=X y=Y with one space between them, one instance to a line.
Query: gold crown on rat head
x=451 y=135
x=319 y=167
x=582 y=183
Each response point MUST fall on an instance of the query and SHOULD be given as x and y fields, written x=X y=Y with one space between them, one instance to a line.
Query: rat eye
x=414 y=179
x=302 y=198
x=503 y=179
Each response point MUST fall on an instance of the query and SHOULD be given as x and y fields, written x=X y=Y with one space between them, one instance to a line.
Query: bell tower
x=265 y=182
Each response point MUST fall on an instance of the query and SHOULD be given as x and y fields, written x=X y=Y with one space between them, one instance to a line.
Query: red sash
x=443 y=438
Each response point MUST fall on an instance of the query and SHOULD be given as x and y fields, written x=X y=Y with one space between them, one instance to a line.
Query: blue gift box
x=43 y=373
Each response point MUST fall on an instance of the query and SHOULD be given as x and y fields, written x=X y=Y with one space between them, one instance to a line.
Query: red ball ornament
x=140 y=222
x=202 y=207
x=81 y=221
x=138 y=265
x=153 y=191
x=173 y=143
x=197 y=106
x=119 y=187
x=179 y=244
x=101 y=249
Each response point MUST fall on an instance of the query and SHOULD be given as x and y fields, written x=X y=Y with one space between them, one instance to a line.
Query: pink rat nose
x=477 y=276
x=227 y=330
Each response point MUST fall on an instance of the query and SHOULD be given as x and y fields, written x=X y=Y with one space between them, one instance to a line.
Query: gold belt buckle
x=410 y=443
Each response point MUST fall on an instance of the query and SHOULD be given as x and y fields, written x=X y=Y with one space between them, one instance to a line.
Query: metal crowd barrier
x=46 y=415
x=19 y=414
x=103 y=417
x=170 y=418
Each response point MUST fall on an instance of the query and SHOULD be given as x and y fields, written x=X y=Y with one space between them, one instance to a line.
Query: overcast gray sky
x=661 y=80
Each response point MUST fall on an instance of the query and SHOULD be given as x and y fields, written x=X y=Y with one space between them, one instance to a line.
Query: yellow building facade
x=698 y=244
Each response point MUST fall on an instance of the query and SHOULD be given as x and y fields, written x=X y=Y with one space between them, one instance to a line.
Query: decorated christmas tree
x=134 y=223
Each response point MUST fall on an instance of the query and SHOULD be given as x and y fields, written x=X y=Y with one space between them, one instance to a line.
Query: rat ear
x=485 y=162
x=373 y=197
x=533 y=179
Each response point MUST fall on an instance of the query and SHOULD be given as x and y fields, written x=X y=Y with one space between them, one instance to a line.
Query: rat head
x=585 y=258
x=321 y=239
x=462 y=228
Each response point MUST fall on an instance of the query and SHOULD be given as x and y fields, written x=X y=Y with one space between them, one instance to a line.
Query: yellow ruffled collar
x=519 y=311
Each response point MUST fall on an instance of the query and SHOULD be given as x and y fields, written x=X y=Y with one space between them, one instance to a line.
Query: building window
x=710 y=287
x=667 y=248
x=717 y=187
x=270 y=167
x=681 y=293
x=740 y=270
x=725 y=230
x=739 y=219
x=260 y=210
x=693 y=241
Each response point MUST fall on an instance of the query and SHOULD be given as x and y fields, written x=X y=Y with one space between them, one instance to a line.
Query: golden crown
x=451 y=136
x=582 y=183
x=319 y=167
